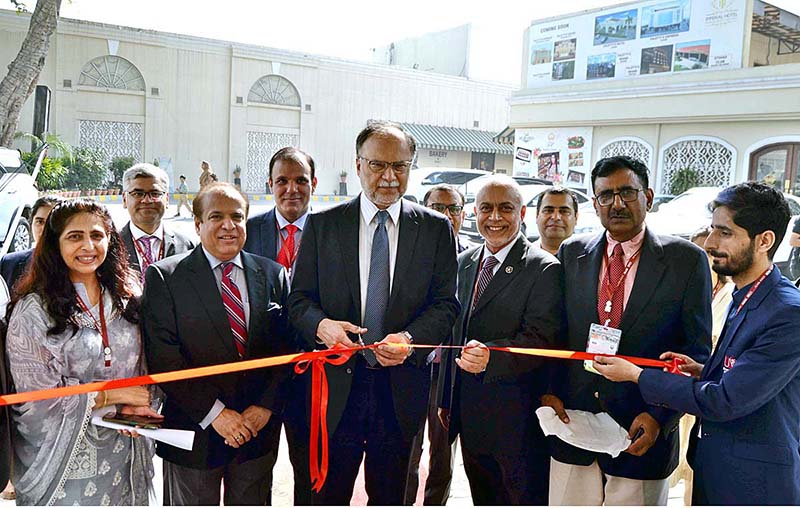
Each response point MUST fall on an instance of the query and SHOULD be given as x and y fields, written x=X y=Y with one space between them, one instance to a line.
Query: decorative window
x=274 y=89
x=711 y=160
x=260 y=148
x=112 y=72
x=631 y=147
x=112 y=139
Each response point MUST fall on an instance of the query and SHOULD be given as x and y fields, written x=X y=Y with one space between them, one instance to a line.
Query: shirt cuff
x=216 y=409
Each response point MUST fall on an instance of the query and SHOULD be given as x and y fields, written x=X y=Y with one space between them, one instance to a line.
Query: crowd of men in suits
x=382 y=270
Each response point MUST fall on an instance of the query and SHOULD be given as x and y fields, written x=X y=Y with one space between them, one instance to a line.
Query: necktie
x=147 y=254
x=487 y=272
x=611 y=308
x=377 y=287
x=286 y=254
x=232 y=300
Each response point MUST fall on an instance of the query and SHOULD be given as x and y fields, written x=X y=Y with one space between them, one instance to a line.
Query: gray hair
x=145 y=170
x=501 y=181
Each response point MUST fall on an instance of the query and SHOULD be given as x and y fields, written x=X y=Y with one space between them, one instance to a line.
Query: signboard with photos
x=561 y=155
x=630 y=40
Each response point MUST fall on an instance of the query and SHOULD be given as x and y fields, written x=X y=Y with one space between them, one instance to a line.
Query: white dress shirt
x=500 y=256
x=282 y=223
x=366 y=230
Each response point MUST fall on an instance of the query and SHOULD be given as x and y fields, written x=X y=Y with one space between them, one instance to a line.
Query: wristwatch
x=410 y=338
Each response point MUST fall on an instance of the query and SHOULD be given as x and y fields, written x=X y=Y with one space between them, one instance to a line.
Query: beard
x=735 y=263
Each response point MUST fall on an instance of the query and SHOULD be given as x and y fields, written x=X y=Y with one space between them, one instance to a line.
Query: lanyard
x=753 y=289
x=100 y=327
x=611 y=292
x=141 y=252
x=717 y=288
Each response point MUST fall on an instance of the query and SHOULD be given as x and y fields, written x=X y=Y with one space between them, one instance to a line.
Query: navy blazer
x=14 y=265
x=423 y=301
x=748 y=402
x=262 y=235
x=669 y=309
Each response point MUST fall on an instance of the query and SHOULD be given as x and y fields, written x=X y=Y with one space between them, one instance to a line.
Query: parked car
x=689 y=212
x=17 y=195
x=470 y=189
x=660 y=199
x=422 y=179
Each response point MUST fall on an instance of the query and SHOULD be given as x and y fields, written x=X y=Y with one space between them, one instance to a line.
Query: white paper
x=593 y=432
x=183 y=439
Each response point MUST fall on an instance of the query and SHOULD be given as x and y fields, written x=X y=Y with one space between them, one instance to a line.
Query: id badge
x=602 y=339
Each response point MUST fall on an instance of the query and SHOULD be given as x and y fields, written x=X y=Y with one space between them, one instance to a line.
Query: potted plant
x=343 y=176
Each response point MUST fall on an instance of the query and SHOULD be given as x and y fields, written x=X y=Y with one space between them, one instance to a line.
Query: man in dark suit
x=276 y=235
x=13 y=265
x=385 y=270
x=218 y=304
x=641 y=294
x=745 y=446
x=147 y=239
x=511 y=296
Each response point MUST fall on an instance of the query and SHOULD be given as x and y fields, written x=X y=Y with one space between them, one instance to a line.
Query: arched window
x=112 y=72
x=632 y=147
x=274 y=89
x=712 y=160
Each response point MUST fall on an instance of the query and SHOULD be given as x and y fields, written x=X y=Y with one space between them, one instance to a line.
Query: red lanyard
x=611 y=292
x=100 y=327
x=141 y=252
x=717 y=288
x=753 y=289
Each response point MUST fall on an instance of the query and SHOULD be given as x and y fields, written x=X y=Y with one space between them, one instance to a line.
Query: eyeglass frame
x=385 y=165
x=148 y=194
x=449 y=208
x=614 y=195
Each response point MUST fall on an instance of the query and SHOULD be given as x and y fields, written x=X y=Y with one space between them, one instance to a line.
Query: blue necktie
x=377 y=287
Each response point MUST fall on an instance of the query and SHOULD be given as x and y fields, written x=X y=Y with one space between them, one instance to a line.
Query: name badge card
x=602 y=339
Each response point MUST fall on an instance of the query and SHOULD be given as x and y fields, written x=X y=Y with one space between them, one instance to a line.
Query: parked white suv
x=421 y=180
x=17 y=195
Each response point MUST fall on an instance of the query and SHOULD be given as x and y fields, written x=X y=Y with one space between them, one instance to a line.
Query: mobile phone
x=141 y=422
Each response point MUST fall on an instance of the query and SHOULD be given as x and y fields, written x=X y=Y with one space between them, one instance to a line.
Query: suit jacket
x=185 y=325
x=521 y=307
x=174 y=243
x=748 y=402
x=14 y=265
x=669 y=309
x=422 y=300
x=262 y=235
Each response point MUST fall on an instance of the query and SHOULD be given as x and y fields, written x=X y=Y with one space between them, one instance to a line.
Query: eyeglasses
x=154 y=195
x=453 y=209
x=399 y=167
x=627 y=195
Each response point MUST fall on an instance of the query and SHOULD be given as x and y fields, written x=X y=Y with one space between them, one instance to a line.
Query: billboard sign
x=561 y=155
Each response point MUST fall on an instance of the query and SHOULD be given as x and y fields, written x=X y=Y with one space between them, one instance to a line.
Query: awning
x=453 y=138
x=505 y=137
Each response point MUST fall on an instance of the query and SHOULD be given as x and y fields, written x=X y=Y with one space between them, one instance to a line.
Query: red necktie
x=612 y=282
x=232 y=300
x=287 y=252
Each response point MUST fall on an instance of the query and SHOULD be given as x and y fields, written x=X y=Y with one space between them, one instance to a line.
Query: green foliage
x=117 y=168
x=87 y=171
x=51 y=174
x=56 y=147
x=683 y=180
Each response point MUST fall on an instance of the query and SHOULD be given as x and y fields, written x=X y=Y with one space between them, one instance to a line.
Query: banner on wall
x=650 y=37
x=561 y=155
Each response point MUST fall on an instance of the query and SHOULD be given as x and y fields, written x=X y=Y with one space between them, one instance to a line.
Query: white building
x=180 y=99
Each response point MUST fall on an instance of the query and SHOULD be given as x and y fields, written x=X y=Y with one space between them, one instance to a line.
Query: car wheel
x=22 y=236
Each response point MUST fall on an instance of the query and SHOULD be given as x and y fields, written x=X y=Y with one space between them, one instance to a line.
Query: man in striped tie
x=218 y=304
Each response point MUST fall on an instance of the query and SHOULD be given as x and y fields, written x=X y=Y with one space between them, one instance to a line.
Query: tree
x=117 y=169
x=23 y=72
x=87 y=171
x=683 y=180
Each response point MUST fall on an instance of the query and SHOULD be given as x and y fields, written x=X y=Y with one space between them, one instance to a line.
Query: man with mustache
x=147 y=239
x=637 y=294
x=744 y=446
x=556 y=216
x=375 y=270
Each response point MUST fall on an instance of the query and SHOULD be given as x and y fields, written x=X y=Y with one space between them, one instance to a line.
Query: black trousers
x=245 y=484
x=518 y=479
x=440 y=465
x=368 y=430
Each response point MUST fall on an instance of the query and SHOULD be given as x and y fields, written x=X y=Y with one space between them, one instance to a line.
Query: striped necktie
x=485 y=277
x=147 y=254
x=232 y=300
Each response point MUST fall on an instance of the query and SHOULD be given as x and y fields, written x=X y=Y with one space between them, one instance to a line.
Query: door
x=777 y=165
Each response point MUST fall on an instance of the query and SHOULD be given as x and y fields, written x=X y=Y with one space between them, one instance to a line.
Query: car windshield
x=691 y=203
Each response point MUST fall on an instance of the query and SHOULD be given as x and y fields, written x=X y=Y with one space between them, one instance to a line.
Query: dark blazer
x=748 y=402
x=669 y=309
x=174 y=243
x=14 y=265
x=422 y=301
x=262 y=235
x=521 y=307
x=6 y=451
x=185 y=325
